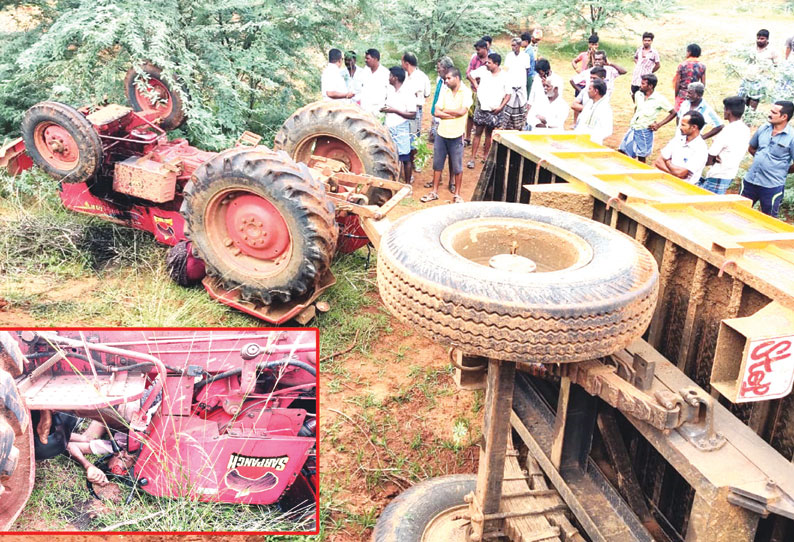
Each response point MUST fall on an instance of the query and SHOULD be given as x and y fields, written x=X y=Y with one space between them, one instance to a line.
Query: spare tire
x=428 y=512
x=62 y=142
x=342 y=131
x=139 y=92
x=261 y=223
x=449 y=270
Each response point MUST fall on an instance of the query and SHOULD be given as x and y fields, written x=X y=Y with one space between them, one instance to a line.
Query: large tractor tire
x=426 y=512
x=141 y=94
x=17 y=462
x=62 y=142
x=261 y=223
x=343 y=132
x=517 y=282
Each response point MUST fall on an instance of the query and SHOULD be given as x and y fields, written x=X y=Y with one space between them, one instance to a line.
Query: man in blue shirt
x=772 y=147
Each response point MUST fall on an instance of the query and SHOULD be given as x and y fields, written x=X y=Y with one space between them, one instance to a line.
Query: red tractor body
x=262 y=226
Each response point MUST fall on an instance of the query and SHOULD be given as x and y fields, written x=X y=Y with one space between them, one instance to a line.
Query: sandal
x=432 y=196
x=470 y=164
x=429 y=184
x=452 y=187
x=457 y=199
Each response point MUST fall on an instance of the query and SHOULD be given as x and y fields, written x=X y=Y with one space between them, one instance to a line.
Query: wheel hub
x=512 y=262
x=256 y=227
x=448 y=526
x=330 y=147
x=162 y=97
x=516 y=245
x=57 y=146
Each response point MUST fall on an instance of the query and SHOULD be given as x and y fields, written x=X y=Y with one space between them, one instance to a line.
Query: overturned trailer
x=699 y=443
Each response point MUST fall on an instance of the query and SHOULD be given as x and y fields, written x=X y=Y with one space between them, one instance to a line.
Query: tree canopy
x=241 y=64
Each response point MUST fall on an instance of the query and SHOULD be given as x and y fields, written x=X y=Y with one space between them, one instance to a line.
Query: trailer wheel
x=17 y=464
x=517 y=282
x=426 y=512
x=343 y=132
x=141 y=96
x=62 y=142
x=261 y=223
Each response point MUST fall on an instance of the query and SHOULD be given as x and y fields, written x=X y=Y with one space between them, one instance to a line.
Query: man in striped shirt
x=646 y=60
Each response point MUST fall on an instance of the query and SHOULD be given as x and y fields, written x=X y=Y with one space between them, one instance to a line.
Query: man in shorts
x=492 y=86
x=451 y=109
x=400 y=109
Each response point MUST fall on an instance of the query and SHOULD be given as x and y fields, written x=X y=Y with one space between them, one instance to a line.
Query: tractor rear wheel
x=154 y=94
x=517 y=282
x=343 y=132
x=17 y=464
x=427 y=512
x=62 y=142
x=261 y=223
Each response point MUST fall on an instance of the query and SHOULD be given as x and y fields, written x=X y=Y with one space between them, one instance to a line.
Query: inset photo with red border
x=159 y=430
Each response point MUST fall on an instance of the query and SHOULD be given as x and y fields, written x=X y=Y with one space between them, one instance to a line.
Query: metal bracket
x=634 y=369
x=698 y=420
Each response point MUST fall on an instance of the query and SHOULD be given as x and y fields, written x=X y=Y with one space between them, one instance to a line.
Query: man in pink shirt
x=584 y=60
x=646 y=60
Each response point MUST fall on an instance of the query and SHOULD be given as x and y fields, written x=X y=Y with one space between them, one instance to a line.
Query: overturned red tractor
x=226 y=416
x=262 y=224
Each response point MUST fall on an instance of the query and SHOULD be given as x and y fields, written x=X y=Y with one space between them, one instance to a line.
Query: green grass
x=61 y=501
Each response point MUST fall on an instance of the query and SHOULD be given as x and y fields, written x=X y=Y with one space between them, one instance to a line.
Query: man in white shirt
x=695 y=102
x=400 y=109
x=579 y=82
x=517 y=64
x=376 y=83
x=355 y=76
x=419 y=84
x=728 y=148
x=581 y=101
x=332 y=83
x=492 y=86
x=547 y=108
x=762 y=48
x=596 y=117
x=685 y=157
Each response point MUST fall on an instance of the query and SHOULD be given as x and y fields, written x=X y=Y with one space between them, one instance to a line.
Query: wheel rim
x=247 y=229
x=448 y=526
x=516 y=245
x=328 y=146
x=164 y=104
x=56 y=145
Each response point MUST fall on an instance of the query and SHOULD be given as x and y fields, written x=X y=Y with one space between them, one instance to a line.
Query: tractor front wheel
x=62 y=142
x=261 y=223
x=153 y=93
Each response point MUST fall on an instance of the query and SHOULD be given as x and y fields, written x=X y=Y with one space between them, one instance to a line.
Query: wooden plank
x=519 y=529
x=496 y=429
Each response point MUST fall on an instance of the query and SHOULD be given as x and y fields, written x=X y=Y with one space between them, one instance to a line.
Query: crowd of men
x=521 y=92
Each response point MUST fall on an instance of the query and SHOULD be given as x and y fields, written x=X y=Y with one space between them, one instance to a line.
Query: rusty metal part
x=144 y=178
x=470 y=371
x=690 y=410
